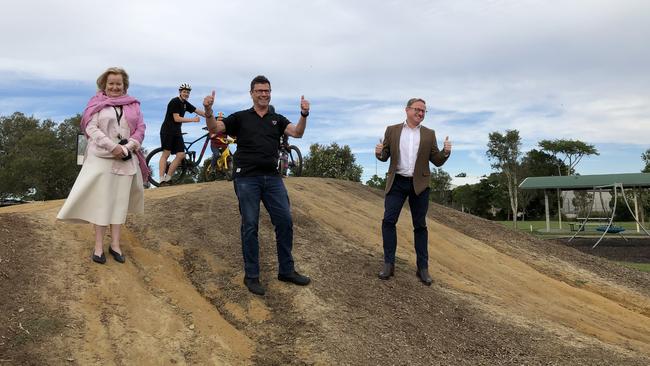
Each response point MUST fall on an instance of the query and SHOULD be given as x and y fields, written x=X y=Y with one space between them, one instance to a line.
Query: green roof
x=586 y=181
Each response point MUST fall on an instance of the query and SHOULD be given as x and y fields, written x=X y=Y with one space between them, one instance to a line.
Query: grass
x=37 y=327
x=644 y=267
x=538 y=227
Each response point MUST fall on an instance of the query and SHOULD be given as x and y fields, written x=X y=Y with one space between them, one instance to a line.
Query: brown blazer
x=427 y=152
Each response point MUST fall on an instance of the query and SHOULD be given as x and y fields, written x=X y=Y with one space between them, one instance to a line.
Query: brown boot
x=387 y=271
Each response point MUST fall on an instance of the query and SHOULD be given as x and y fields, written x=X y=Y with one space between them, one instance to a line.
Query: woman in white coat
x=110 y=183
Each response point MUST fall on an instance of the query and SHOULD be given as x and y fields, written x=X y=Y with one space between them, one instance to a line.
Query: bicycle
x=224 y=164
x=290 y=158
x=189 y=165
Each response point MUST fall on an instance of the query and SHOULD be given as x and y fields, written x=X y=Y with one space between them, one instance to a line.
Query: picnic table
x=575 y=226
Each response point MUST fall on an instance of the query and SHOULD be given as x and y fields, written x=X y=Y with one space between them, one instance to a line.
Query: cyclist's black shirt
x=258 y=141
x=176 y=105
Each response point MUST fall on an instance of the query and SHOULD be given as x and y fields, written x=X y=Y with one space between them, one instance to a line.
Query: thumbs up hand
x=379 y=147
x=304 y=105
x=209 y=101
x=447 y=146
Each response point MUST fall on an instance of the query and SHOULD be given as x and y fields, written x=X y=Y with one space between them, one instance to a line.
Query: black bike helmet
x=185 y=86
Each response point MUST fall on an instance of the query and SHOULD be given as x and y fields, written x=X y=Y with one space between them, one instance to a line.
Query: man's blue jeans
x=402 y=189
x=271 y=192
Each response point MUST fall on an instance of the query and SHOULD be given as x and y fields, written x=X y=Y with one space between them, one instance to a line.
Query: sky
x=549 y=69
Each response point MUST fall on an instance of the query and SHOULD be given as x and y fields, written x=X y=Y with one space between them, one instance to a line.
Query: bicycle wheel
x=209 y=174
x=295 y=161
x=153 y=161
x=282 y=163
x=229 y=168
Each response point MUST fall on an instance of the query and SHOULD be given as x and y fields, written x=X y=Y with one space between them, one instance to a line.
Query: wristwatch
x=304 y=114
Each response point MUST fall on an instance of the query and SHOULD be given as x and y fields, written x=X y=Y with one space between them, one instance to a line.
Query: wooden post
x=548 y=214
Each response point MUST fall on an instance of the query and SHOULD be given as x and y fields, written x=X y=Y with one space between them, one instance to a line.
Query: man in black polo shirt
x=171 y=136
x=256 y=177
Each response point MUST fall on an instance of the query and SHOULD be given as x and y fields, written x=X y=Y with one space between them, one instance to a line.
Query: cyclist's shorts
x=173 y=143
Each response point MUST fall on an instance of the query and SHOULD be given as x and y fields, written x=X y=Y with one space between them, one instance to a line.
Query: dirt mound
x=499 y=297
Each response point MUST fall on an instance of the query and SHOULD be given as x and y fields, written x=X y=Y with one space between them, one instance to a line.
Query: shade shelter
x=585 y=182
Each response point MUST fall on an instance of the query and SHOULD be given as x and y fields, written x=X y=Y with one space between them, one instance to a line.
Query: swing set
x=610 y=227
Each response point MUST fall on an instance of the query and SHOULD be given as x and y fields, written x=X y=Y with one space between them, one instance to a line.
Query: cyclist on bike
x=171 y=136
x=218 y=143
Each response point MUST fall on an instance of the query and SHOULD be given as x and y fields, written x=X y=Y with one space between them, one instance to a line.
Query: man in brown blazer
x=410 y=147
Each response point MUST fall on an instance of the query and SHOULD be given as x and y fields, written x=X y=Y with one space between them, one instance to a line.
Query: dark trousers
x=270 y=190
x=216 y=153
x=401 y=189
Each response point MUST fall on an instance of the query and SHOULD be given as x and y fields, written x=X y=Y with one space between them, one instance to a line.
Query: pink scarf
x=133 y=116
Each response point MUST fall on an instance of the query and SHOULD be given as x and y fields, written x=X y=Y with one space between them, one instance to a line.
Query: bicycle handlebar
x=229 y=140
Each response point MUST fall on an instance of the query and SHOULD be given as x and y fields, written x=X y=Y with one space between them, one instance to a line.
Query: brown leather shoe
x=423 y=275
x=387 y=271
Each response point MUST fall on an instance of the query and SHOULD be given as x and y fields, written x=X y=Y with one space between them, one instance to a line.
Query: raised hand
x=304 y=104
x=447 y=145
x=209 y=101
x=379 y=147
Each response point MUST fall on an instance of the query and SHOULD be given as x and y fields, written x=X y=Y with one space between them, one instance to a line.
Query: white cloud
x=550 y=69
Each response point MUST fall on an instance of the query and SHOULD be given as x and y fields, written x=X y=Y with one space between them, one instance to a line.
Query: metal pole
x=559 y=207
x=584 y=222
x=636 y=211
x=548 y=214
x=611 y=219
x=636 y=218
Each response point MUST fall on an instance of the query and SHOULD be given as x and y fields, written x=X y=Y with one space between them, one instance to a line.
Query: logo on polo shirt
x=274 y=122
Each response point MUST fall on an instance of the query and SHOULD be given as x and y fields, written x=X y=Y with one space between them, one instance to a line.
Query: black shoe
x=117 y=256
x=99 y=259
x=423 y=275
x=253 y=285
x=295 y=278
x=387 y=271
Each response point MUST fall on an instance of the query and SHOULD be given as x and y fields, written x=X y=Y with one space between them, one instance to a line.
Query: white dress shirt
x=409 y=143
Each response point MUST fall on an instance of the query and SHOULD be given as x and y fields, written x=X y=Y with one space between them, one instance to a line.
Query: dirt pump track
x=499 y=297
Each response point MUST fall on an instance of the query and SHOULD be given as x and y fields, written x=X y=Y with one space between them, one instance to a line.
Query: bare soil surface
x=634 y=249
x=499 y=297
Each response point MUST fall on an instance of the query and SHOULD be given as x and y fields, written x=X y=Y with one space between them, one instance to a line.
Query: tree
x=482 y=199
x=646 y=160
x=582 y=201
x=440 y=185
x=464 y=198
x=644 y=197
x=37 y=159
x=504 y=151
x=573 y=151
x=536 y=163
x=494 y=201
x=332 y=161
x=376 y=182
